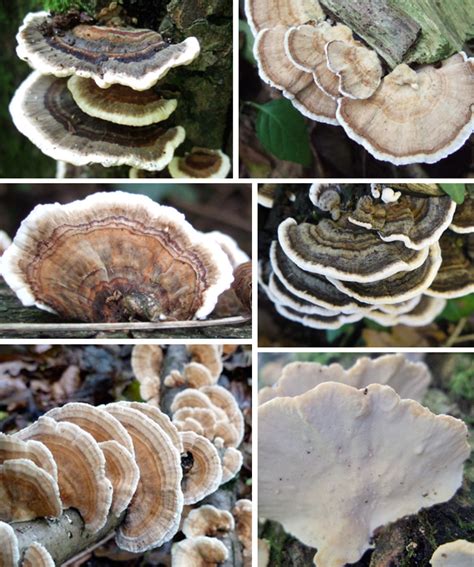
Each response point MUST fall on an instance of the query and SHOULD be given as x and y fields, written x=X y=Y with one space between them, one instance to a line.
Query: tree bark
x=388 y=30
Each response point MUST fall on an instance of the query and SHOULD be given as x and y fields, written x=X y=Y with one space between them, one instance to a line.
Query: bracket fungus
x=459 y=553
x=37 y=556
x=409 y=379
x=404 y=115
x=206 y=473
x=146 y=365
x=81 y=468
x=200 y=551
x=9 y=553
x=43 y=107
x=120 y=104
x=132 y=57
x=115 y=257
x=309 y=442
x=200 y=163
x=207 y=520
x=382 y=253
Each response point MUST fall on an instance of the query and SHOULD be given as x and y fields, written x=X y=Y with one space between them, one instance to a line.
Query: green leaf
x=457 y=191
x=333 y=334
x=282 y=131
x=457 y=309
x=247 y=49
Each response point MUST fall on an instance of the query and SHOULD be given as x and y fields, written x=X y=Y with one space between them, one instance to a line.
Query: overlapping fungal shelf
x=399 y=111
x=96 y=96
x=117 y=257
x=392 y=255
x=127 y=467
x=345 y=452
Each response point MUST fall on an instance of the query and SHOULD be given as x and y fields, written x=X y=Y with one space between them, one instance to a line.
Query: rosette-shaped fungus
x=380 y=253
x=409 y=115
x=115 y=257
x=146 y=365
x=207 y=520
x=107 y=111
x=337 y=460
x=37 y=556
x=200 y=551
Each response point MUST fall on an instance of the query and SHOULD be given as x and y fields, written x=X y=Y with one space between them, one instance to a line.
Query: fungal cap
x=178 y=273
x=119 y=104
x=200 y=551
x=401 y=446
x=200 y=163
x=207 y=520
x=37 y=556
x=132 y=57
x=81 y=468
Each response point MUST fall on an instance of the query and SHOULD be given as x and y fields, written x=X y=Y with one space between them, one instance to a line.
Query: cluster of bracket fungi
x=344 y=452
x=385 y=252
x=407 y=115
x=127 y=467
x=94 y=96
x=119 y=257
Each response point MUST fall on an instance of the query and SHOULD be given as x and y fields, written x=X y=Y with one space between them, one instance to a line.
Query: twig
x=453 y=338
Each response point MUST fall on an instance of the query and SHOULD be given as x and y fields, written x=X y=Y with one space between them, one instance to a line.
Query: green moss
x=88 y=6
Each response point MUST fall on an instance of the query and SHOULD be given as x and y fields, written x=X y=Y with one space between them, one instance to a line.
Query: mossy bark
x=421 y=31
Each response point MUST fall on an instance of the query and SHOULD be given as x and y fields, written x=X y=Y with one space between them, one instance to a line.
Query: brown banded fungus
x=37 y=556
x=44 y=110
x=463 y=221
x=207 y=520
x=385 y=254
x=136 y=58
x=268 y=14
x=146 y=365
x=242 y=284
x=115 y=257
x=359 y=69
x=119 y=104
x=81 y=468
x=154 y=512
x=298 y=86
x=242 y=512
x=27 y=492
x=9 y=553
x=308 y=443
x=305 y=47
x=200 y=551
x=459 y=553
x=200 y=163
x=414 y=116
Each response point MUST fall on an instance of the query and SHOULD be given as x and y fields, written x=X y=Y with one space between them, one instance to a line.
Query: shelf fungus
x=459 y=553
x=406 y=115
x=380 y=253
x=137 y=58
x=359 y=69
x=115 y=257
x=93 y=98
x=44 y=110
x=80 y=463
x=9 y=553
x=200 y=163
x=463 y=221
x=120 y=465
x=208 y=521
x=409 y=379
x=298 y=86
x=146 y=365
x=119 y=104
x=37 y=556
x=199 y=551
x=309 y=442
